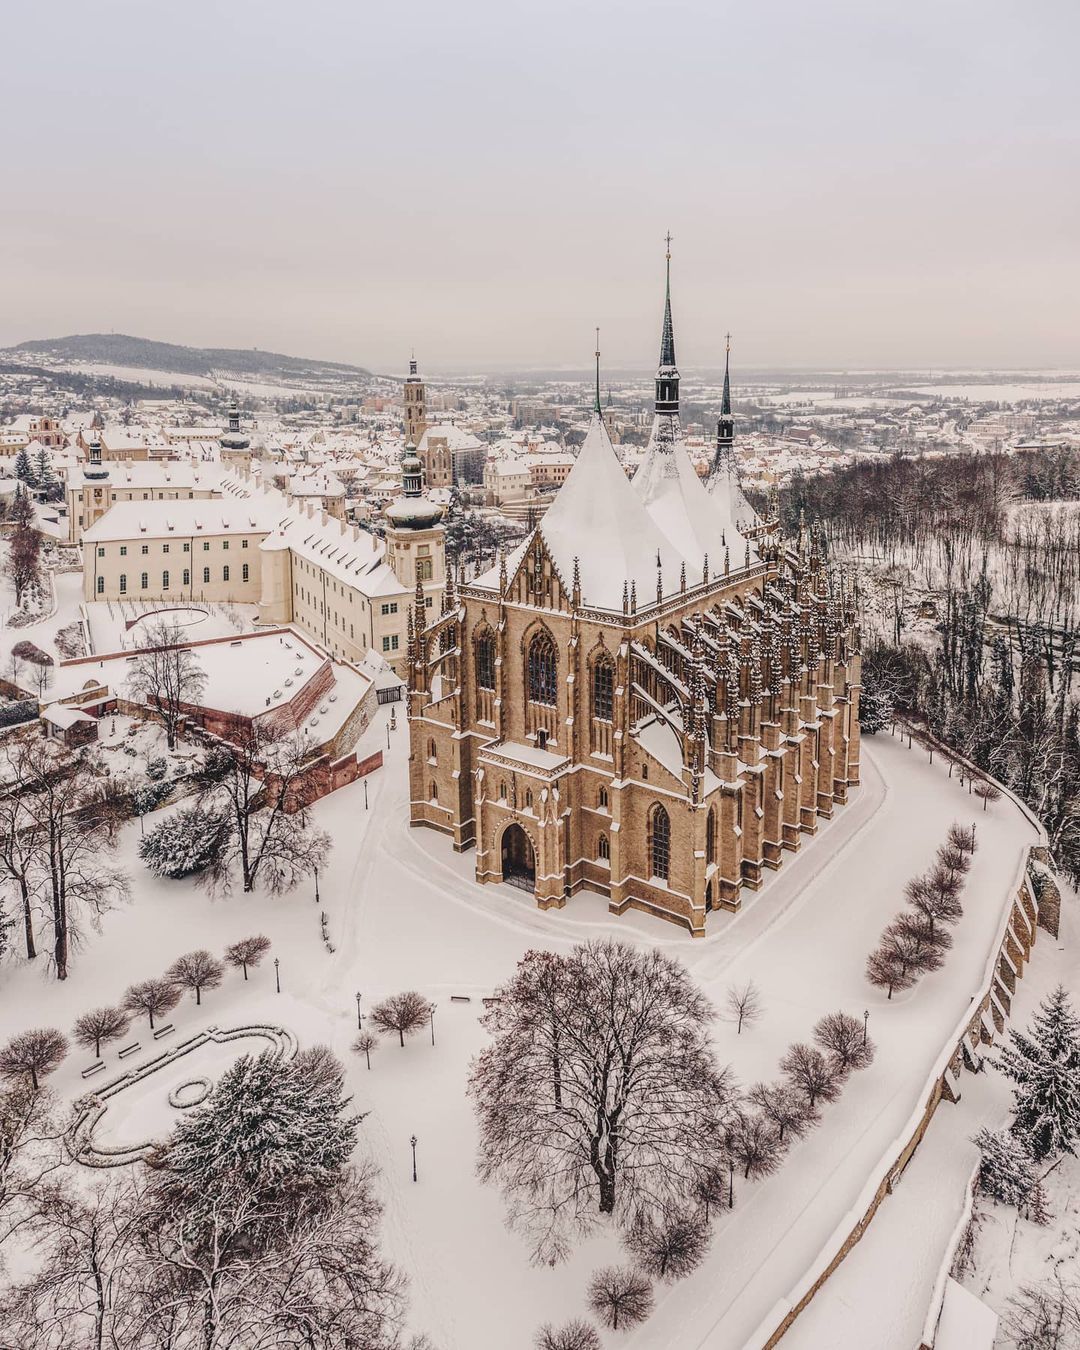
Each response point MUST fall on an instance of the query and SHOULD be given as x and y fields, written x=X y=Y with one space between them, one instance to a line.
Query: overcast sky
x=848 y=182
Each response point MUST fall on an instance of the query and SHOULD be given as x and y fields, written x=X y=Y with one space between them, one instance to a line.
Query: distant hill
x=118 y=349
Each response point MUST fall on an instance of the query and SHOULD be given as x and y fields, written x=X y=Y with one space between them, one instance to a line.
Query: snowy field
x=109 y=620
x=404 y=912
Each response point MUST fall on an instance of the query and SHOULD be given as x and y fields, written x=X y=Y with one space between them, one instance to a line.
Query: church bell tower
x=415 y=405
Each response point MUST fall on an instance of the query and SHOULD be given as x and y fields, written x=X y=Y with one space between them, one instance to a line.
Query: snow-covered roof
x=454 y=437
x=163 y=520
x=146 y=473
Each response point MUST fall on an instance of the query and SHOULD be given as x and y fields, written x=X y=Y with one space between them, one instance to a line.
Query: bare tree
x=987 y=792
x=710 y=1188
x=74 y=826
x=153 y=997
x=364 y=1044
x=634 y=1111
x=198 y=971
x=404 y=1013
x=744 y=1005
x=914 y=944
x=811 y=1074
x=247 y=952
x=937 y=904
x=669 y=1246
x=962 y=837
x=754 y=1143
x=32 y=1147
x=785 y=1107
x=575 y=1335
x=166 y=676
x=620 y=1297
x=885 y=971
x=23 y=565
x=33 y=1054
x=845 y=1041
x=100 y=1024
x=1044 y=1316
x=260 y=770
x=20 y=845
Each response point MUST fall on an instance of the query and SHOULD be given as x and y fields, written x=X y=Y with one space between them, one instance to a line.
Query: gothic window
x=603 y=798
x=603 y=848
x=603 y=689
x=542 y=667
x=528 y=797
x=660 y=842
x=485 y=661
x=502 y=792
x=710 y=836
x=434 y=791
x=432 y=751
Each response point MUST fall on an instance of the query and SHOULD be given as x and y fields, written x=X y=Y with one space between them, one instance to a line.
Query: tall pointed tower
x=725 y=423
x=415 y=405
x=667 y=374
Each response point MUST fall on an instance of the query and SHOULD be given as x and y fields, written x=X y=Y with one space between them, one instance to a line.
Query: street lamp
x=431 y=1016
x=413 y=1142
x=277 y=974
x=731 y=1184
x=865 y=1022
x=365 y=794
x=316 y=885
x=359 y=1022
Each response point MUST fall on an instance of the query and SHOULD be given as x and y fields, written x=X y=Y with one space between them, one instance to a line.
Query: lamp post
x=388 y=737
x=277 y=974
x=865 y=1022
x=359 y=1021
x=413 y=1142
x=431 y=1018
x=365 y=794
x=731 y=1184
x=316 y=885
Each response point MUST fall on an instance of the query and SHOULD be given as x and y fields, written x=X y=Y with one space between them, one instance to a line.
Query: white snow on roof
x=168 y=519
x=966 y=1322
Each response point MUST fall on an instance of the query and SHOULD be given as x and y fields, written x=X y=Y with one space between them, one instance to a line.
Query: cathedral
x=653 y=696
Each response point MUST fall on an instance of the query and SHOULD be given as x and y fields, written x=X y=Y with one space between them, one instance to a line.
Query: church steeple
x=667 y=375
x=725 y=424
x=596 y=403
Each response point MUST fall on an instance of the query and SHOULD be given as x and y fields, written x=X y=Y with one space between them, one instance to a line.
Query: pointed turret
x=725 y=425
x=667 y=374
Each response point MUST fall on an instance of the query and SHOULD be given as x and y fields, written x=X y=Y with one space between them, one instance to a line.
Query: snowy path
x=404 y=912
x=888 y=1279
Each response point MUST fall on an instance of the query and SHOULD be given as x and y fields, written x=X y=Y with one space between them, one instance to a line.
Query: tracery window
x=710 y=836
x=603 y=848
x=485 y=660
x=603 y=689
x=542 y=669
x=660 y=842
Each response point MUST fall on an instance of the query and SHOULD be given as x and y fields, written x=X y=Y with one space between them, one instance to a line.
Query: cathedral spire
x=596 y=405
x=667 y=376
x=725 y=423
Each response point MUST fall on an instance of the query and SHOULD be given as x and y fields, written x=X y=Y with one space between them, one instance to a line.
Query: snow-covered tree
x=259 y=779
x=166 y=675
x=575 y=1335
x=43 y=470
x=670 y=1245
x=1006 y=1168
x=937 y=904
x=401 y=1014
x=152 y=997
x=20 y=843
x=845 y=1041
x=98 y=1025
x=74 y=830
x=186 y=843
x=875 y=706
x=33 y=1054
x=963 y=836
x=620 y=1297
x=811 y=1074
x=885 y=971
x=269 y=1126
x=196 y=971
x=600 y=1092
x=743 y=1005
x=248 y=951
x=23 y=565
x=24 y=470
x=1044 y=1065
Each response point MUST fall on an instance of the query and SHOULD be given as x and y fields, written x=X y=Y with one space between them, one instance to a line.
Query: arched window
x=603 y=689
x=485 y=660
x=542 y=667
x=710 y=836
x=502 y=792
x=602 y=799
x=528 y=797
x=660 y=842
x=434 y=791
x=603 y=848
x=433 y=754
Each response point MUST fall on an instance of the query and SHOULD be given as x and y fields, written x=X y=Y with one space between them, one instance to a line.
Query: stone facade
x=665 y=756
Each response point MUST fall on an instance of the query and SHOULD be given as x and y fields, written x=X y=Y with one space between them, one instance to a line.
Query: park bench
x=163 y=1031
x=460 y=998
x=129 y=1049
x=93 y=1069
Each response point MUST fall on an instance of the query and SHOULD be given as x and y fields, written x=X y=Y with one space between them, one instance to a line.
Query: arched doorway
x=518 y=860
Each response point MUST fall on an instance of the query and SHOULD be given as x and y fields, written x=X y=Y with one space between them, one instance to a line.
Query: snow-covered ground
x=404 y=912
